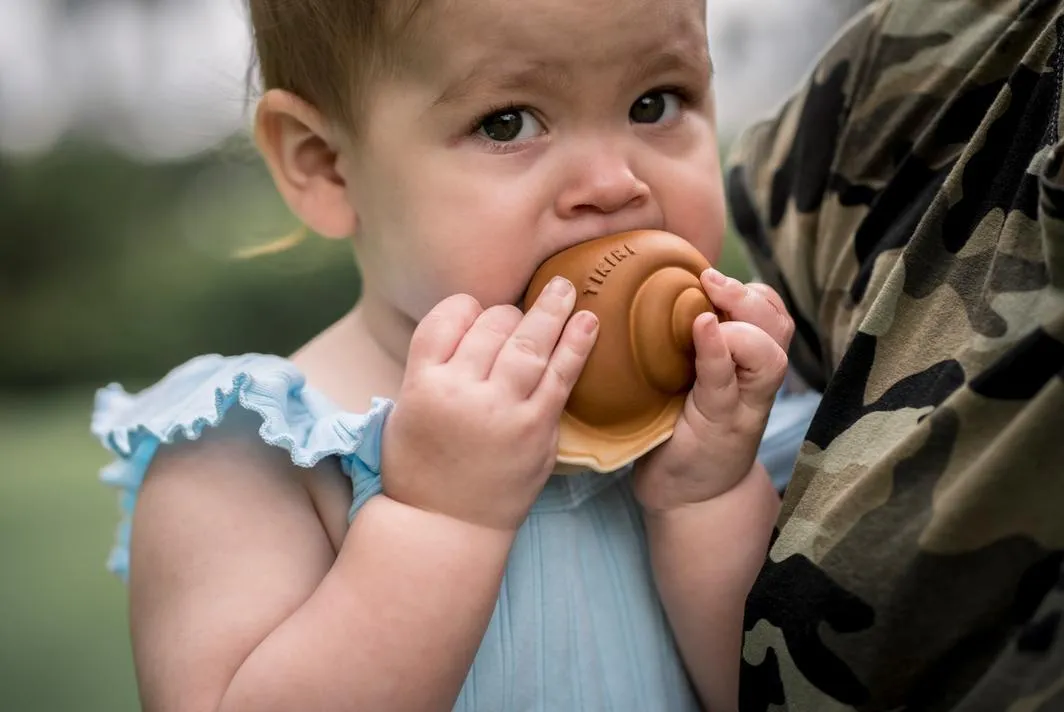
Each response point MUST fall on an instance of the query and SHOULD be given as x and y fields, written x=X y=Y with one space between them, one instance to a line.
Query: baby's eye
x=654 y=106
x=509 y=125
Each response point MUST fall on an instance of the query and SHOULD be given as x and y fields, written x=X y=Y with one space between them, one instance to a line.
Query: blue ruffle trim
x=197 y=396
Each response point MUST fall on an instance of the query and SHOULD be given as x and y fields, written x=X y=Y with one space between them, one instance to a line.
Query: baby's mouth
x=644 y=288
x=520 y=302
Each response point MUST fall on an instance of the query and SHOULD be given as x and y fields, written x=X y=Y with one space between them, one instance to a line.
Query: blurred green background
x=114 y=269
x=117 y=239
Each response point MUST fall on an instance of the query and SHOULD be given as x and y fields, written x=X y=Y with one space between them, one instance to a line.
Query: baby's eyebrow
x=546 y=75
x=654 y=64
x=555 y=77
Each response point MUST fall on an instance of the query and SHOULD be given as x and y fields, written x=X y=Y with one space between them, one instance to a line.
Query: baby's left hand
x=740 y=365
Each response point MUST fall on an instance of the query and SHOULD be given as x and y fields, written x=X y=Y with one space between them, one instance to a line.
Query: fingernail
x=716 y=277
x=707 y=324
x=588 y=322
x=560 y=286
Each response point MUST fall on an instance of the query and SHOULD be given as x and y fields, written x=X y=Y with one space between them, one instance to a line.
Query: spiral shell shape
x=644 y=287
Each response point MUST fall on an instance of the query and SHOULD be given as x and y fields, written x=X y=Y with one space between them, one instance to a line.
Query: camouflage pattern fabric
x=908 y=201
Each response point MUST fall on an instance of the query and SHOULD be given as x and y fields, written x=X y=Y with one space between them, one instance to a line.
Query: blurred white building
x=166 y=79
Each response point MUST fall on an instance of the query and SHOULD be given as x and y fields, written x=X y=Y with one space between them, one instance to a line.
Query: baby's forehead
x=456 y=33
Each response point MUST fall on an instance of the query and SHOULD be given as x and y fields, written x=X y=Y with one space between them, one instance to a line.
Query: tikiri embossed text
x=602 y=270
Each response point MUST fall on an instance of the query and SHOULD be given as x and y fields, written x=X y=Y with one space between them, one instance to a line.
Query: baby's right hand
x=474 y=432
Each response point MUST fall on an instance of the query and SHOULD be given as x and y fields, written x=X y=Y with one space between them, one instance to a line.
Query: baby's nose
x=600 y=182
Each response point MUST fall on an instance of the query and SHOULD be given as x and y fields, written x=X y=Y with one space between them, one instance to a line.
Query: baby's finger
x=525 y=354
x=785 y=331
x=760 y=363
x=478 y=349
x=756 y=304
x=567 y=361
x=439 y=333
x=716 y=390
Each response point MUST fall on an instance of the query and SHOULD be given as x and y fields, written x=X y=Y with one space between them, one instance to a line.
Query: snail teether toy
x=644 y=287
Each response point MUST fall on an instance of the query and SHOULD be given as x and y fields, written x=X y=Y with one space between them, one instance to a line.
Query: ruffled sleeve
x=199 y=394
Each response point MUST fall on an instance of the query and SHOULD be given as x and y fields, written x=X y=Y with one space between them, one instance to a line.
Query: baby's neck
x=360 y=357
x=386 y=326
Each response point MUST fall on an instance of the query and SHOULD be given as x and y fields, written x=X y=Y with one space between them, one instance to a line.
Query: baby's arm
x=705 y=558
x=710 y=505
x=239 y=602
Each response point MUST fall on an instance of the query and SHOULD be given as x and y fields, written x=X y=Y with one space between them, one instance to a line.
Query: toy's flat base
x=582 y=447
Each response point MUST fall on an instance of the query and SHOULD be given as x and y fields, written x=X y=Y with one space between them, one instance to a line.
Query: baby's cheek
x=491 y=274
x=500 y=279
x=700 y=218
x=712 y=237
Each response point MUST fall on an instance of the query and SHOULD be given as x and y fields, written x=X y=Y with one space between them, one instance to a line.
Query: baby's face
x=533 y=126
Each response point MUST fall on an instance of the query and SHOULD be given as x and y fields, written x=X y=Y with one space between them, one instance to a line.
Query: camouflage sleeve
x=908 y=203
x=777 y=177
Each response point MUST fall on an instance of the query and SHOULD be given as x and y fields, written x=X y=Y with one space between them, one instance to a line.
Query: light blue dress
x=578 y=624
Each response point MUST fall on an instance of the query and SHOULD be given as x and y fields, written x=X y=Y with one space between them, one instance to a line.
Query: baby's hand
x=740 y=365
x=474 y=433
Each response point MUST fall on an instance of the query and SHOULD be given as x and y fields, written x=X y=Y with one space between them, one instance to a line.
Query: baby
x=373 y=523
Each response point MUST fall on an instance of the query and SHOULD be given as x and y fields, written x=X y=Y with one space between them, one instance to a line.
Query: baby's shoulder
x=251 y=419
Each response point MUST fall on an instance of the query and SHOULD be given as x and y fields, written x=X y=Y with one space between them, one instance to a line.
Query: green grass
x=64 y=643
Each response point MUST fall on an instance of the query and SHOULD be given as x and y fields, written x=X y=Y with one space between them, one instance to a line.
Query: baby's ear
x=302 y=153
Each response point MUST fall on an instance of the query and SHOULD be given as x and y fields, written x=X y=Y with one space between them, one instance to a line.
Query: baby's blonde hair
x=327 y=52
x=281 y=244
